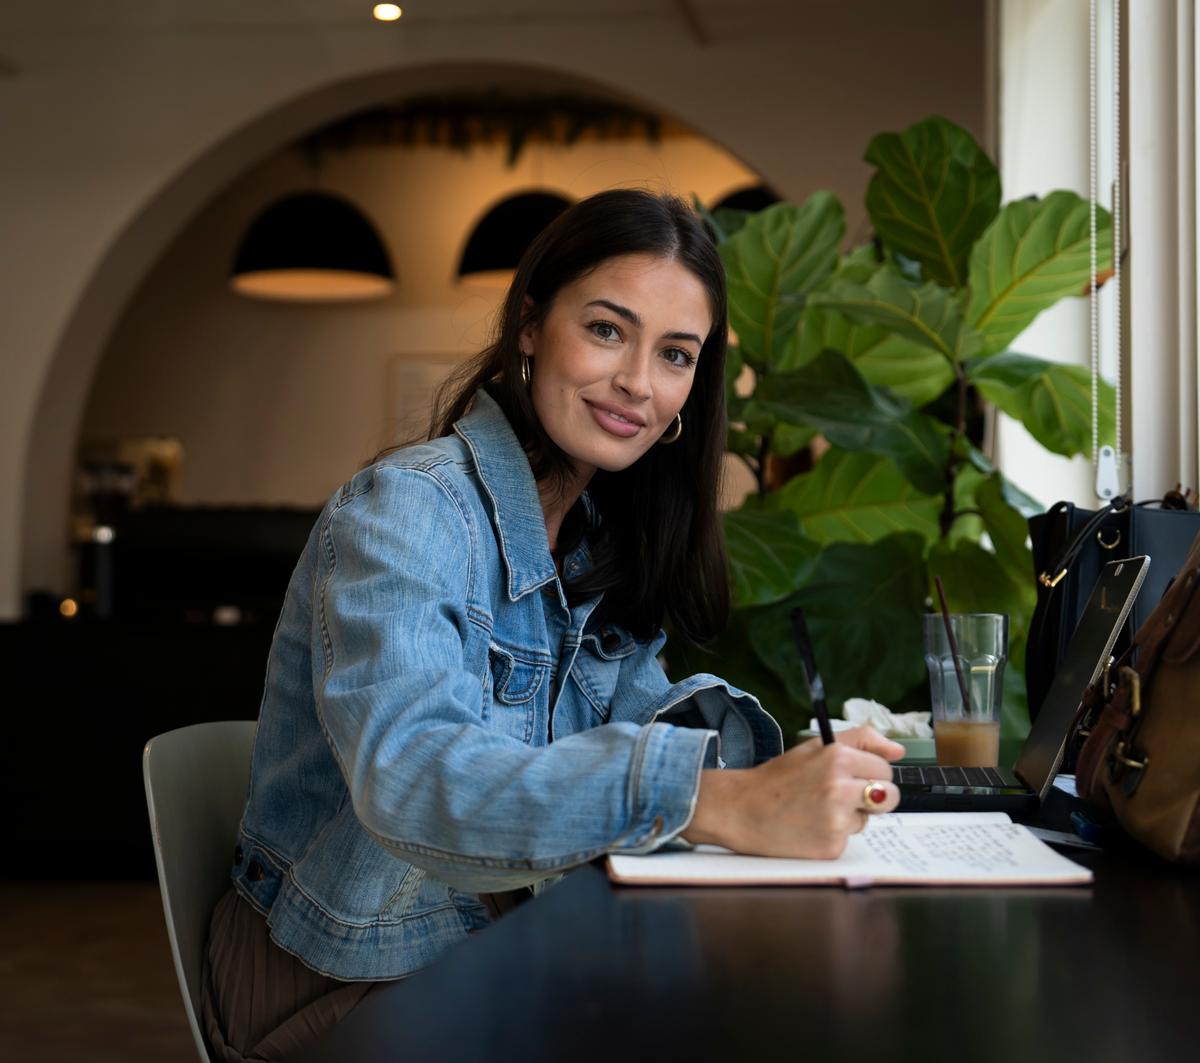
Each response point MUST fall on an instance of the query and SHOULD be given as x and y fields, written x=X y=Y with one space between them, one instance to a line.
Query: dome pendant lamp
x=498 y=241
x=312 y=247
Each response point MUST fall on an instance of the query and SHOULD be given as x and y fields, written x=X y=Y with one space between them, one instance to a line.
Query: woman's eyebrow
x=632 y=317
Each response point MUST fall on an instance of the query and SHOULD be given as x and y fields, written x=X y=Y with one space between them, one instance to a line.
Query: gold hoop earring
x=674 y=436
x=525 y=370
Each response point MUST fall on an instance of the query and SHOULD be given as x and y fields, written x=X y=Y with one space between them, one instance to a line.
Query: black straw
x=962 y=683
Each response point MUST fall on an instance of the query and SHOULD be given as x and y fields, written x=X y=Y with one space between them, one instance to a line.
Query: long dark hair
x=663 y=557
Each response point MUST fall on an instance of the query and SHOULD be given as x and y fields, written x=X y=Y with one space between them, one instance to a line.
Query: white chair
x=196 y=781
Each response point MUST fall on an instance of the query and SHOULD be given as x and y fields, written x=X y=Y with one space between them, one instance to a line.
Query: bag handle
x=1054 y=574
x=1177 y=499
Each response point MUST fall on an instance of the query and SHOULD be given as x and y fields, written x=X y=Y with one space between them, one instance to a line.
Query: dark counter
x=593 y=972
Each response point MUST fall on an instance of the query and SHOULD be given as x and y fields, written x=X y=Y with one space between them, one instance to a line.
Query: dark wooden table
x=589 y=971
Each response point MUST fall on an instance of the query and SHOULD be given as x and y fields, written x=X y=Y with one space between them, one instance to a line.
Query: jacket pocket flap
x=515 y=677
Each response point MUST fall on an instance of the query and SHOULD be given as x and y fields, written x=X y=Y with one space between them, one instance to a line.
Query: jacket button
x=237 y=856
x=255 y=872
x=609 y=641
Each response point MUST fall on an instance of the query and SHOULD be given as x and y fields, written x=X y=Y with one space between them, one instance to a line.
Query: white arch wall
x=115 y=137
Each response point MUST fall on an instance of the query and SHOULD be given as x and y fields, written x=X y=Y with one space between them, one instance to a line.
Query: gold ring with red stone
x=875 y=795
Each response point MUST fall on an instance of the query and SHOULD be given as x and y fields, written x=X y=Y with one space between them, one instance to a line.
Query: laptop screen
x=1090 y=645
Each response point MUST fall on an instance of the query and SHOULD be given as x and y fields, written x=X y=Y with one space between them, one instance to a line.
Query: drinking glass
x=967 y=736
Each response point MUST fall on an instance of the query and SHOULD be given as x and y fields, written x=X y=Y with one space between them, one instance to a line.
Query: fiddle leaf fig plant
x=876 y=359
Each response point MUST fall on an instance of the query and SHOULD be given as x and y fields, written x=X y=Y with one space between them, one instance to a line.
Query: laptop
x=1021 y=791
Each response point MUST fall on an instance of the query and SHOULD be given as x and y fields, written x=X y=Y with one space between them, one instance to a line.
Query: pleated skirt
x=260 y=1002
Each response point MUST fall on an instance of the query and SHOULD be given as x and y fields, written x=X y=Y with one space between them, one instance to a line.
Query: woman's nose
x=633 y=376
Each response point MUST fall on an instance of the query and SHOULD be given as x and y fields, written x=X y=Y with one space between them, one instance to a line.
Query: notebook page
x=907 y=848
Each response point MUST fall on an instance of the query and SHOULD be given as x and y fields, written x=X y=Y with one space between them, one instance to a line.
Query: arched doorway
x=51 y=453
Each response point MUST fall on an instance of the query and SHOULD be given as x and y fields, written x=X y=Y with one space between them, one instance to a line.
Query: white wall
x=116 y=133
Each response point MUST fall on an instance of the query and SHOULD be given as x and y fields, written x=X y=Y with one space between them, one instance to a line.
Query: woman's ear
x=529 y=329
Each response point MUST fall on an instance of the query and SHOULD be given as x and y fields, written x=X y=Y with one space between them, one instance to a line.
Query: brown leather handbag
x=1141 y=756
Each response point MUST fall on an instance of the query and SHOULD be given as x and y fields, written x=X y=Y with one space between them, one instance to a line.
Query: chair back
x=196 y=781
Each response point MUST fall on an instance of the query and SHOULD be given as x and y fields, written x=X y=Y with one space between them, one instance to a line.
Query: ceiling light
x=753 y=198
x=386 y=12
x=312 y=247
x=501 y=236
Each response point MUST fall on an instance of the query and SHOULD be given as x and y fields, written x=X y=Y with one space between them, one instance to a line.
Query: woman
x=463 y=697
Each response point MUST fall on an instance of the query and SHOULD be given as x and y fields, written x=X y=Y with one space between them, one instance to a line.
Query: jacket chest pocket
x=511 y=688
x=597 y=669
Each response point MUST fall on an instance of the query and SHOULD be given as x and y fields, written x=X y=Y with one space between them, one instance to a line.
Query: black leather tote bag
x=1070 y=547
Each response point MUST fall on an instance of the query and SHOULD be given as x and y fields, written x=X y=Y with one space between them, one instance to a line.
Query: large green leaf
x=933 y=193
x=723 y=222
x=863 y=603
x=768 y=556
x=730 y=221
x=1014 y=712
x=1053 y=401
x=1008 y=531
x=1035 y=253
x=1026 y=505
x=787 y=439
x=741 y=441
x=858 y=497
x=929 y=315
x=859 y=265
x=914 y=371
x=771 y=262
x=974 y=579
x=967 y=523
x=830 y=394
x=733 y=366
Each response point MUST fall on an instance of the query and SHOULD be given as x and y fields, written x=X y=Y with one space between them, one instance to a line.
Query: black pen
x=815 y=687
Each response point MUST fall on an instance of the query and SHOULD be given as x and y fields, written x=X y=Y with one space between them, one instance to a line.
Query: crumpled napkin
x=858 y=711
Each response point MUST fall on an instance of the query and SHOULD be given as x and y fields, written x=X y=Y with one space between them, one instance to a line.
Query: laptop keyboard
x=933 y=776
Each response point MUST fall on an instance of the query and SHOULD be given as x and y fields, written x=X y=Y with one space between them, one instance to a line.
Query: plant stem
x=948 y=515
x=961 y=427
x=764 y=451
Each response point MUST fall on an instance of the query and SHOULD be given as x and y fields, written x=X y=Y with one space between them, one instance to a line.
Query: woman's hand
x=805 y=803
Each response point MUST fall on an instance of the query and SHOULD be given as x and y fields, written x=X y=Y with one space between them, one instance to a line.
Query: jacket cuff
x=666 y=783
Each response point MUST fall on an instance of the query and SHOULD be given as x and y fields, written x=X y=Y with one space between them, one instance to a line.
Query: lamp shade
x=498 y=241
x=312 y=246
x=753 y=199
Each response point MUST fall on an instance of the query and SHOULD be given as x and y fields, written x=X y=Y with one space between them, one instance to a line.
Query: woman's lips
x=613 y=424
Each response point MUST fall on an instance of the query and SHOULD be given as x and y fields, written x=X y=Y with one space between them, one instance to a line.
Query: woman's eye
x=678 y=356
x=605 y=330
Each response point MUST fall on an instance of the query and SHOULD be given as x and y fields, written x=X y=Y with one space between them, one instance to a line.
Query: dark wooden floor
x=86 y=974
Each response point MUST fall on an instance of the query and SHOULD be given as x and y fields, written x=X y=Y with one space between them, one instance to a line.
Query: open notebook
x=905 y=849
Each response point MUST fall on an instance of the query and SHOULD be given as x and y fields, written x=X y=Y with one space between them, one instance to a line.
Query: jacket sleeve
x=748 y=734
x=402 y=713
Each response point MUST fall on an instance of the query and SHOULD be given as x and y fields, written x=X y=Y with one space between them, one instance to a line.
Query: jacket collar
x=508 y=482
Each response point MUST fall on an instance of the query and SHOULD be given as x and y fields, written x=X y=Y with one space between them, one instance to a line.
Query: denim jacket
x=437 y=722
